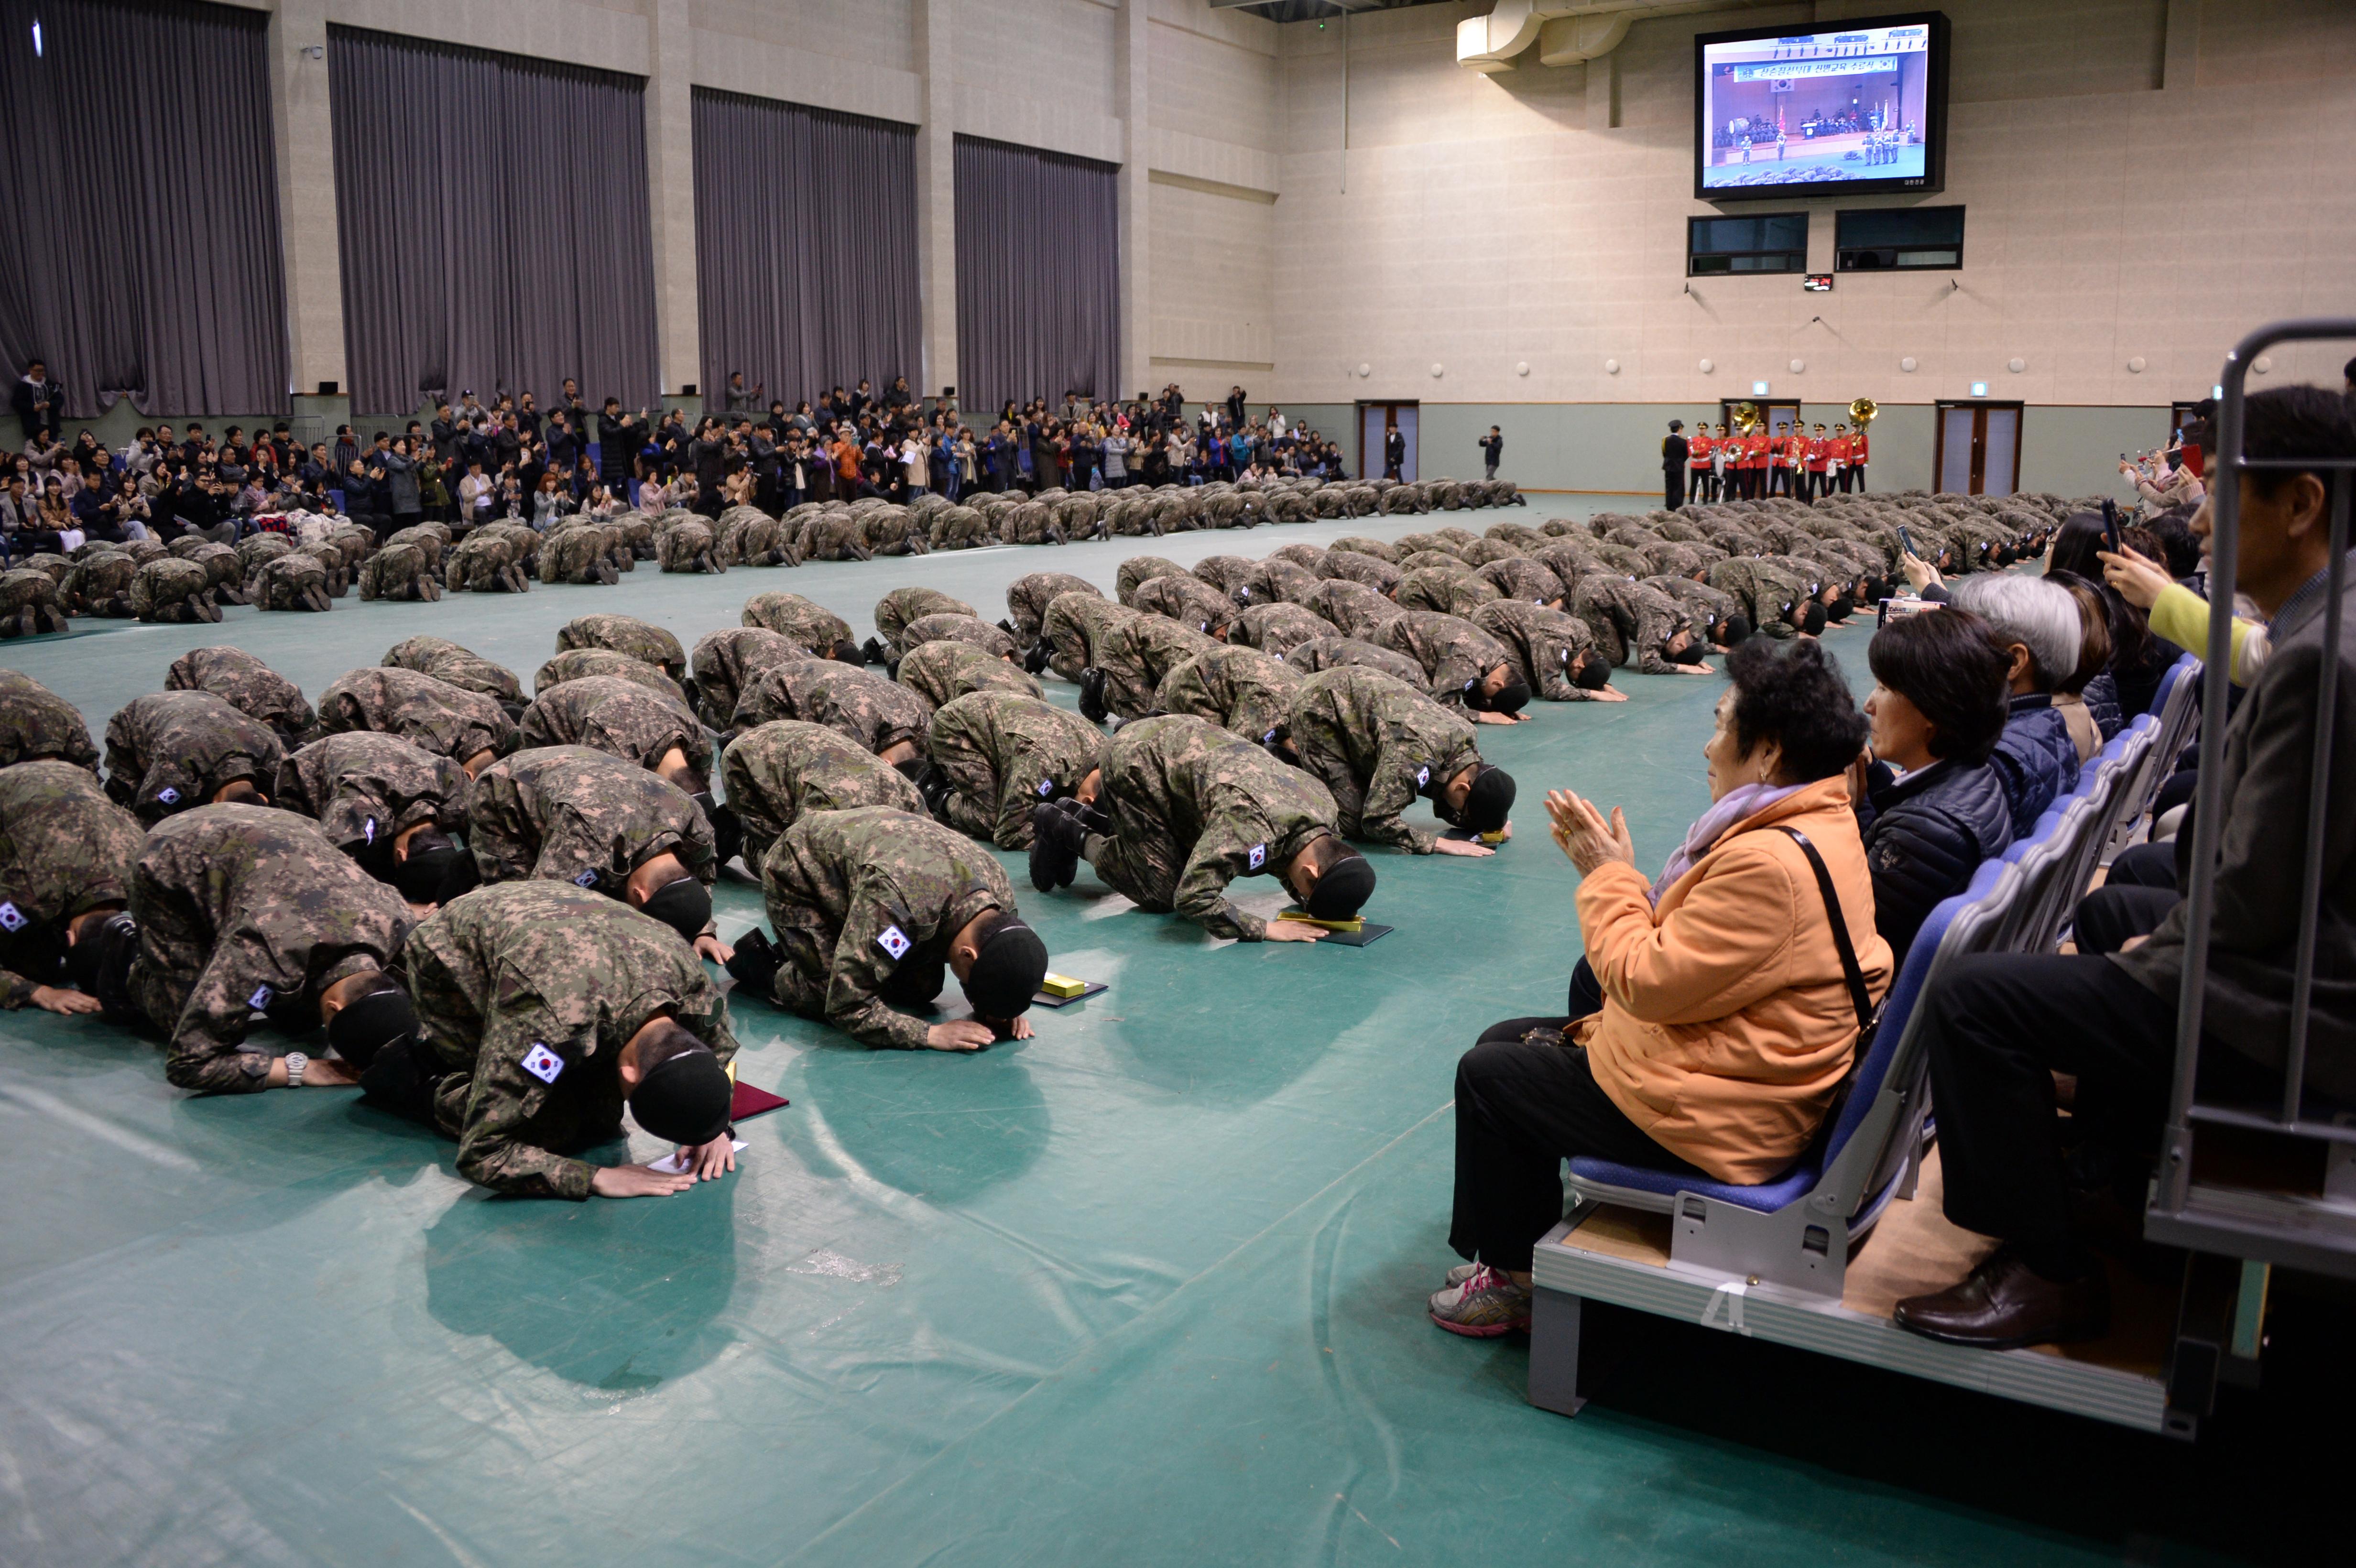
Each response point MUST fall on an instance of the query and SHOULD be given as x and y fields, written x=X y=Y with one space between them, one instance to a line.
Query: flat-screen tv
x=1856 y=110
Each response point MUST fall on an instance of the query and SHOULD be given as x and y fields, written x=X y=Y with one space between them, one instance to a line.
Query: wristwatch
x=296 y=1062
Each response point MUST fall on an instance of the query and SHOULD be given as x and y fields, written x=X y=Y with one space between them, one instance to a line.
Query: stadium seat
x=1796 y=1230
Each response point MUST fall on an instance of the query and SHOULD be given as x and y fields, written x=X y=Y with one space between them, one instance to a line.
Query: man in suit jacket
x=2001 y=1025
x=1395 y=454
x=1674 y=451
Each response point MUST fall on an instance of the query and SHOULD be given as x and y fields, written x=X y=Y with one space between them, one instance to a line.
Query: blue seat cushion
x=1766 y=1198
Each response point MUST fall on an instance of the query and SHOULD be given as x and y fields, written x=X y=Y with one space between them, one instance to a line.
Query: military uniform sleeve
x=1389 y=793
x=208 y=1051
x=862 y=962
x=502 y=1099
x=16 y=990
x=1220 y=855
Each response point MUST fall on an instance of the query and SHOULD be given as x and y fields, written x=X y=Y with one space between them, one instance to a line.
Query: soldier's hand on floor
x=1690 y=669
x=712 y=947
x=639 y=1181
x=56 y=1000
x=328 y=1074
x=1460 y=846
x=1481 y=717
x=1607 y=694
x=1293 y=931
x=959 y=1034
x=709 y=1162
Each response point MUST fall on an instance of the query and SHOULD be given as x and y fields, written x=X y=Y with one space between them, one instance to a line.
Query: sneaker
x=1484 y=1305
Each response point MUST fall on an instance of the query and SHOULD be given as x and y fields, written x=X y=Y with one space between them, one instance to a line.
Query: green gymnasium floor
x=1146 y=1288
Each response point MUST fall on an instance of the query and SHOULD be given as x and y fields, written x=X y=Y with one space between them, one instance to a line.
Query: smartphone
x=2111 y=526
x=1908 y=540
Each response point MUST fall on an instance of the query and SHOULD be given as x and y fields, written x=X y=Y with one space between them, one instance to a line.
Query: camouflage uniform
x=462 y=668
x=1332 y=652
x=901 y=605
x=579 y=663
x=36 y=722
x=402 y=571
x=1519 y=577
x=687 y=547
x=1709 y=607
x=626 y=634
x=728 y=661
x=952 y=627
x=1632 y=623
x=1190 y=602
x=170 y=751
x=361 y=787
x=248 y=685
x=245 y=909
x=172 y=590
x=1547 y=645
x=294 y=581
x=1352 y=608
x=487 y=561
x=1378 y=743
x=1767 y=594
x=430 y=540
x=100 y=584
x=1238 y=689
x=852 y=701
x=959 y=527
x=813 y=627
x=1003 y=753
x=942 y=671
x=1275 y=629
x=1355 y=566
x=65 y=850
x=446 y=719
x=865 y=904
x=1030 y=522
x=523 y=970
x=1455 y=654
x=1135 y=654
x=222 y=573
x=1224 y=572
x=1075 y=628
x=1140 y=570
x=583 y=552
x=1027 y=599
x=1194 y=806
x=576 y=815
x=777 y=773
x=834 y=536
x=1457 y=593
x=618 y=718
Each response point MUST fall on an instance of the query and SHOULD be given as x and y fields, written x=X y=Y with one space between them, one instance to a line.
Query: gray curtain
x=141 y=252
x=805 y=248
x=493 y=220
x=1038 y=274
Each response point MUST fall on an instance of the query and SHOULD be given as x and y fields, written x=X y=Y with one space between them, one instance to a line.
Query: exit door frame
x=1390 y=407
x=1979 y=442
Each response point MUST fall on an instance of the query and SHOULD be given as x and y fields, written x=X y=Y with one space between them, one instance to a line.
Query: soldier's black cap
x=1512 y=697
x=684 y=905
x=1007 y=972
x=420 y=874
x=1737 y=629
x=361 y=1028
x=845 y=651
x=99 y=962
x=1490 y=800
x=1341 y=890
x=684 y=1097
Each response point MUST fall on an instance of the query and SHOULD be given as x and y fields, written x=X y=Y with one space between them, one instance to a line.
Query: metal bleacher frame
x=1770 y=1263
x=2237 y=1231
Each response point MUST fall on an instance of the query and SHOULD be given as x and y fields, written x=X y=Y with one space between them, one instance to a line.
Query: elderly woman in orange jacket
x=1711 y=1021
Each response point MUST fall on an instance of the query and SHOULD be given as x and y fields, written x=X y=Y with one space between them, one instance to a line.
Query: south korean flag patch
x=1423 y=778
x=367 y=830
x=894 y=941
x=11 y=919
x=1258 y=856
x=170 y=796
x=543 y=1063
x=587 y=879
x=262 y=998
x=1046 y=789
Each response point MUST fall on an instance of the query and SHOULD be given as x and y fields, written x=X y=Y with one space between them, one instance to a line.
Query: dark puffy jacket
x=2035 y=759
x=2101 y=696
x=1924 y=835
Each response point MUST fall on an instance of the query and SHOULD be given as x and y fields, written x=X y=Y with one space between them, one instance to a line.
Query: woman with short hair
x=1721 y=1000
x=1930 y=807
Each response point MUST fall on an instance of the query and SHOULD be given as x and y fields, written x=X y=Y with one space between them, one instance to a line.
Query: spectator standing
x=1493 y=451
x=1676 y=452
x=39 y=401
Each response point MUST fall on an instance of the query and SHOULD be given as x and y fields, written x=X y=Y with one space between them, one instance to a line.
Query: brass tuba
x=1861 y=412
x=1746 y=417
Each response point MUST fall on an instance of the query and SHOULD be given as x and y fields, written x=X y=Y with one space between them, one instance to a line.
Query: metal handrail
x=2208 y=823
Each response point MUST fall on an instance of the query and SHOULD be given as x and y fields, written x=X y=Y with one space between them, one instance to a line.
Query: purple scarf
x=1741 y=802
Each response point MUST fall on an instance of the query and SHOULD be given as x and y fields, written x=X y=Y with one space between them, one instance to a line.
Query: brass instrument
x=1861 y=412
x=1746 y=417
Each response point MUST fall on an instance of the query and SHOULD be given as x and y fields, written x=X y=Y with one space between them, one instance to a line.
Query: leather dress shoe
x=2003 y=1305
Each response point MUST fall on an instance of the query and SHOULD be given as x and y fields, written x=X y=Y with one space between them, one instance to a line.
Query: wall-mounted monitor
x=1858 y=109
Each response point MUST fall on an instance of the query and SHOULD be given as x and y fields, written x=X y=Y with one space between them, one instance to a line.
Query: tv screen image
x=1857 y=109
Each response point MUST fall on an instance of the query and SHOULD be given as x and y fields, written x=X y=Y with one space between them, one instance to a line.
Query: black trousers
x=1523 y=1108
x=2131 y=902
x=2000 y=1026
x=1673 y=489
